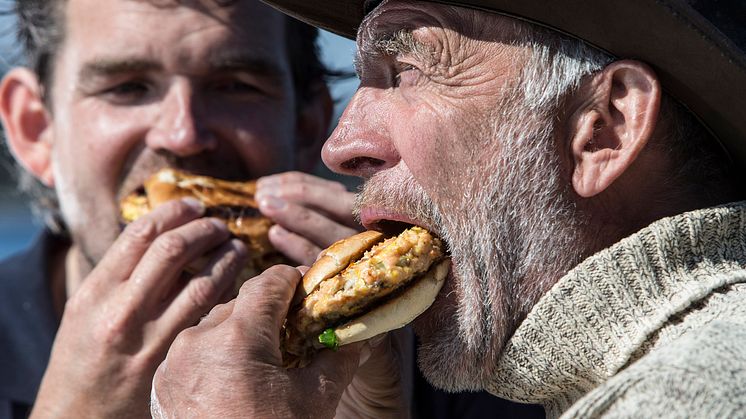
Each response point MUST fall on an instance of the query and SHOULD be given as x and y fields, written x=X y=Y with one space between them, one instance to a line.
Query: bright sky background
x=16 y=227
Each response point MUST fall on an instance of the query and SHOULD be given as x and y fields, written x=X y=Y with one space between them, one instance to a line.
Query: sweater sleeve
x=702 y=374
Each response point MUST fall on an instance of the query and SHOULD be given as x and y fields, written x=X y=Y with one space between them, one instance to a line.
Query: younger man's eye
x=127 y=92
x=234 y=86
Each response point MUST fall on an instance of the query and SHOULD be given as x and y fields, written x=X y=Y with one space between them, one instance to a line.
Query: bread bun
x=361 y=287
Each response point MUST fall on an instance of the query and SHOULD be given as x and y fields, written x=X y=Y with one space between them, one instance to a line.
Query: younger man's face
x=140 y=84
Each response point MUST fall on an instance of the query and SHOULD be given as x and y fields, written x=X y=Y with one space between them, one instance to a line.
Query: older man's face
x=439 y=129
x=139 y=85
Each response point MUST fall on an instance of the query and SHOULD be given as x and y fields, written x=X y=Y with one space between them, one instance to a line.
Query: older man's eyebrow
x=388 y=44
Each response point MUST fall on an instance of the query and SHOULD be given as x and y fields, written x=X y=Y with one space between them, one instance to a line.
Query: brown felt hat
x=697 y=47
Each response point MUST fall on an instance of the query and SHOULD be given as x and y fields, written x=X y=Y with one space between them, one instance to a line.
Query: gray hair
x=557 y=66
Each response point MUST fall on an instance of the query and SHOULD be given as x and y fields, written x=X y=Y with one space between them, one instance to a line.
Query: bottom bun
x=397 y=312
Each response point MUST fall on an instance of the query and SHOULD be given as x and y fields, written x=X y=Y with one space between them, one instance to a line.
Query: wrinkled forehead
x=433 y=22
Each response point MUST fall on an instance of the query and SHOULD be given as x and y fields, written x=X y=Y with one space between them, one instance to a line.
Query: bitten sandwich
x=361 y=287
x=232 y=202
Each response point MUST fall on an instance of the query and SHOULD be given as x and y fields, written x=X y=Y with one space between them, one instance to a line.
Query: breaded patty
x=383 y=269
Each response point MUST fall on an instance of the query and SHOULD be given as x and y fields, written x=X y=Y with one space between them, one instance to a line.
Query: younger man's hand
x=311 y=213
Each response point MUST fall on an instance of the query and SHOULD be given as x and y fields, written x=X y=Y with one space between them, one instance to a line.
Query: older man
x=115 y=90
x=589 y=202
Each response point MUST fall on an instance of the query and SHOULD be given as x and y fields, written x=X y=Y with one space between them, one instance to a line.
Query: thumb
x=329 y=374
x=339 y=366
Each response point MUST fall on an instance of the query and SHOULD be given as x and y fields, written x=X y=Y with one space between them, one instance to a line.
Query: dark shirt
x=432 y=403
x=28 y=326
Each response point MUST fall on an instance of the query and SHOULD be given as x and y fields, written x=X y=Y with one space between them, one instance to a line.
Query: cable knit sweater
x=654 y=326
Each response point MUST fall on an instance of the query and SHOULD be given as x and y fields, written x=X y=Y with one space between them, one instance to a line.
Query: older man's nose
x=361 y=144
x=180 y=126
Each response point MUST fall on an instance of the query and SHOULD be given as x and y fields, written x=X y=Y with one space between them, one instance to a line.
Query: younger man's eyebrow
x=227 y=62
x=111 y=67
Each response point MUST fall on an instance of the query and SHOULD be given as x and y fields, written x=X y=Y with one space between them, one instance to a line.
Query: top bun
x=335 y=258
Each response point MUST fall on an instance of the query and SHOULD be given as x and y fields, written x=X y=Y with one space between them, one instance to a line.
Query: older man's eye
x=406 y=74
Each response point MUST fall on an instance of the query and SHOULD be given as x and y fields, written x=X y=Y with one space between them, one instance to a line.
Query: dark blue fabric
x=432 y=403
x=28 y=326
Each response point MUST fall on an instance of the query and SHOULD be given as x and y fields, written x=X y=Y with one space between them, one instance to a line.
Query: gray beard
x=512 y=233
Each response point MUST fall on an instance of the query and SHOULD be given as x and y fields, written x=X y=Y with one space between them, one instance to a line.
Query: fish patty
x=383 y=269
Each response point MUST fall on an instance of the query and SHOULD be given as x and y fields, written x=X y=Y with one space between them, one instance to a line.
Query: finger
x=296 y=177
x=217 y=315
x=303 y=221
x=336 y=368
x=293 y=246
x=164 y=261
x=122 y=258
x=330 y=198
x=202 y=292
x=262 y=303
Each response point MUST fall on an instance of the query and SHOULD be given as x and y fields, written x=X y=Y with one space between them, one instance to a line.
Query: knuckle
x=304 y=215
x=79 y=302
x=201 y=292
x=209 y=228
x=281 y=273
x=291 y=177
x=171 y=246
x=339 y=187
x=233 y=331
x=114 y=332
x=311 y=252
x=278 y=274
x=183 y=344
x=144 y=230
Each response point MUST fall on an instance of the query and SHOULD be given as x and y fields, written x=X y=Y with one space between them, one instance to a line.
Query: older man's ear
x=26 y=123
x=615 y=120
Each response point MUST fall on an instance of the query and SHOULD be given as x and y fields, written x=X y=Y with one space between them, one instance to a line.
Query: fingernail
x=219 y=223
x=266 y=191
x=266 y=181
x=364 y=354
x=194 y=203
x=377 y=340
x=273 y=203
x=239 y=246
x=276 y=230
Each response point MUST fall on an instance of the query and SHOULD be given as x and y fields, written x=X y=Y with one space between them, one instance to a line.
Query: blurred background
x=17 y=225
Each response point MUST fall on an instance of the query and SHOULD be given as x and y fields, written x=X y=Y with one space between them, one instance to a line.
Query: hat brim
x=696 y=63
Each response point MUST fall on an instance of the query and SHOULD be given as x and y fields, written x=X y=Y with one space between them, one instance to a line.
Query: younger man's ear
x=312 y=129
x=616 y=118
x=26 y=122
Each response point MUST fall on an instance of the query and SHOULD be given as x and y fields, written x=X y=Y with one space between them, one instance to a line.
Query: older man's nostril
x=364 y=164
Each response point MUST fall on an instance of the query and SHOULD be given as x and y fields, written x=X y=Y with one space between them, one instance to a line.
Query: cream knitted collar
x=600 y=316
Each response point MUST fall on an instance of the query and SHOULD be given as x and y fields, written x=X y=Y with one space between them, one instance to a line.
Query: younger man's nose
x=180 y=126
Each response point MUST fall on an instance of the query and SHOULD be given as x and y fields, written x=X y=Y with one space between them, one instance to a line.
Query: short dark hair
x=41 y=32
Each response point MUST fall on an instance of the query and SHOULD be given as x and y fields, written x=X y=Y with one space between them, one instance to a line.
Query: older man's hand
x=311 y=213
x=230 y=366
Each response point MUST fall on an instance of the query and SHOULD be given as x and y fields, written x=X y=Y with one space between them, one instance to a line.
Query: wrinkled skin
x=243 y=376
